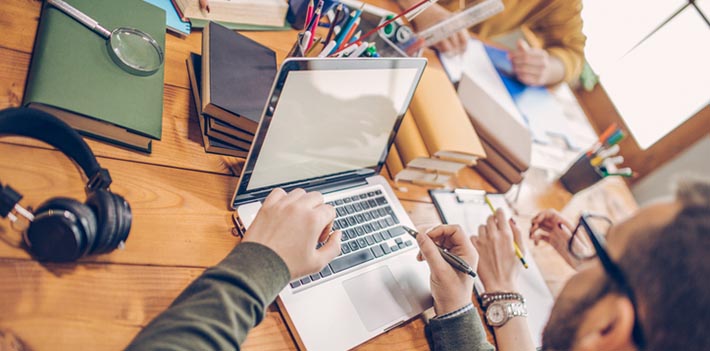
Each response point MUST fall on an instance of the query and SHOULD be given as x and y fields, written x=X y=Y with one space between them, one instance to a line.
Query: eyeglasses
x=589 y=241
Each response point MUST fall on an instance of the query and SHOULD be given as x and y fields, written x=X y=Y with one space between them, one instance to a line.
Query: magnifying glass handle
x=81 y=17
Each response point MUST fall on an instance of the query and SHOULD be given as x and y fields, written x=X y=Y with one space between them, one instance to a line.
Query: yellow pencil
x=515 y=245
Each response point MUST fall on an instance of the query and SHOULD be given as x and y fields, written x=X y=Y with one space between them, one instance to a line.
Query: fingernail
x=513 y=221
x=559 y=225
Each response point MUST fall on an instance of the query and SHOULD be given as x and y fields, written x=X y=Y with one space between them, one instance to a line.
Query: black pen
x=453 y=260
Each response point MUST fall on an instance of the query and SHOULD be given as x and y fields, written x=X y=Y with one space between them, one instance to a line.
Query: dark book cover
x=212 y=145
x=237 y=75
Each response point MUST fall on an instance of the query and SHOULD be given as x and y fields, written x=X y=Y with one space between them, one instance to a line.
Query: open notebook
x=469 y=211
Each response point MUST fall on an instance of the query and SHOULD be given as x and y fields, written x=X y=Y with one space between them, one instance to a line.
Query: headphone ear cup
x=114 y=220
x=63 y=230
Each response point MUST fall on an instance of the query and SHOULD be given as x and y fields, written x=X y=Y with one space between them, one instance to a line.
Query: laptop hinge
x=323 y=186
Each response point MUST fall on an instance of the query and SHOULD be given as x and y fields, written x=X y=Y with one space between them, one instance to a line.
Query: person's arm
x=218 y=309
x=560 y=31
x=463 y=331
x=499 y=269
x=456 y=325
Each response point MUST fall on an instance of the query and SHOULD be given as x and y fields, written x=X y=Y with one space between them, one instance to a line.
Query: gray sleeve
x=463 y=332
x=216 y=311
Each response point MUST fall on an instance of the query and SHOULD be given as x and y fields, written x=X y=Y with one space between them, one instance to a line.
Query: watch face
x=495 y=314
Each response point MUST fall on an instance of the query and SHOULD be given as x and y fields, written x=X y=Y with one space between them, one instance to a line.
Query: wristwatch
x=500 y=312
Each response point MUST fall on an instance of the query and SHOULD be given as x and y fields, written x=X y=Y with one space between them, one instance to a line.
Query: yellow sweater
x=556 y=23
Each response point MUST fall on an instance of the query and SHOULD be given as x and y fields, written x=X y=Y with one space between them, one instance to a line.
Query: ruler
x=461 y=20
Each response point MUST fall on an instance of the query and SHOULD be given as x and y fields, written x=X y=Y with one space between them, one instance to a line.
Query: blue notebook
x=543 y=114
x=172 y=19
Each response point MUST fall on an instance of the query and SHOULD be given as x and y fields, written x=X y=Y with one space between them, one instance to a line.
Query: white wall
x=694 y=160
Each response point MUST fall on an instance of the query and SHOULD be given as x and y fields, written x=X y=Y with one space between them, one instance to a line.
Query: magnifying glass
x=133 y=50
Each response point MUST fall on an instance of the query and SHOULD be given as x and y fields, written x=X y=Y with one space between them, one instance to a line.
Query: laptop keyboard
x=370 y=230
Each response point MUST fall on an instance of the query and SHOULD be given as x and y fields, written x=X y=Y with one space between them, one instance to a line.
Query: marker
x=518 y=253
x=455 y=261
x=360 y=50
x=328 y=48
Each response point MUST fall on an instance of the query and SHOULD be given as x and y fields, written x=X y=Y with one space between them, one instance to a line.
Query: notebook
x=237 y=74
x=72 y=76
x=469 y=210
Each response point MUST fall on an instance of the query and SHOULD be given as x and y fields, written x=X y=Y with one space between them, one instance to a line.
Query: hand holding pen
x=448 y=252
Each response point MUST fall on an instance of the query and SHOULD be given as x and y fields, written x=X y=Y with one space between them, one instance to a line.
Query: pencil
x=518 y=253
x=336 y=19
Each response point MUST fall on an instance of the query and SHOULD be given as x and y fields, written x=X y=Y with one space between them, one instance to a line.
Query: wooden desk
x=179 y=195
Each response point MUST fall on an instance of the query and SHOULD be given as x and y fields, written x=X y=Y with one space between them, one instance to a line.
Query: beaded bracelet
x=490 y=297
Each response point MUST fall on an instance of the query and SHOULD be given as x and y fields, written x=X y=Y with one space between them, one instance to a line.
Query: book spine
x=394 y=162
x=409 y=142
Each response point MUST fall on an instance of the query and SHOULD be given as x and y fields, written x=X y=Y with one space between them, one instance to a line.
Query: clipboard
x=468 y=209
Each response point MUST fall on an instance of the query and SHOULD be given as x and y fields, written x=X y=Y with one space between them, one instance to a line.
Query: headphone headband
x=42 y=126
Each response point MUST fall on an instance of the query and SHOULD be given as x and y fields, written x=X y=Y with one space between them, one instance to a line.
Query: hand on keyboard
x=292 y=225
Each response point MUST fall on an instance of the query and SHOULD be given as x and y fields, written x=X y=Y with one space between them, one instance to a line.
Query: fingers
x=275 y=196
x=325 y=214
x=523 y=45
x=500 y=219
x=537 y=237
x=312 y=199
x=448 y=236
x=294 y=195
x=431 y=254
x=444 y=46
x=330 y=249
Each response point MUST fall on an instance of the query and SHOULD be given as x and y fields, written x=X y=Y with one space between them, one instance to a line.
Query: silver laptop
x=327 y=127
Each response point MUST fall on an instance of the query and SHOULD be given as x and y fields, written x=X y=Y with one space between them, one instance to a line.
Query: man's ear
x=607 y=325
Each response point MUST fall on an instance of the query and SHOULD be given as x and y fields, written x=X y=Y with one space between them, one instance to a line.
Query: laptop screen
x=325 y=120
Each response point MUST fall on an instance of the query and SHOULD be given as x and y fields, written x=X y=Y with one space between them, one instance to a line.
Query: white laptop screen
x=331 y=121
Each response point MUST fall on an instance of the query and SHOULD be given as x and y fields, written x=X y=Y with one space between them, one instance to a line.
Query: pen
x=518 y=253
x=455 y=261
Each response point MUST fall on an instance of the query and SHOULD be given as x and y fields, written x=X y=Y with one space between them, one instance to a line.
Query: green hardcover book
x=73 y=76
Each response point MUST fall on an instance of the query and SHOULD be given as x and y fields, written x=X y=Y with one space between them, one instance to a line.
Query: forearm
x=218 y=309
x=514 y=335
x=463 y=332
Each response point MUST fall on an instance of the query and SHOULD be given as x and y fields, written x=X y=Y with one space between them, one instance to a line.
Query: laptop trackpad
x=377 y=297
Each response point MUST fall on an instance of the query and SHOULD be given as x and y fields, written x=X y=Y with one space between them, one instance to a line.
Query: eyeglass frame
x=612 y=269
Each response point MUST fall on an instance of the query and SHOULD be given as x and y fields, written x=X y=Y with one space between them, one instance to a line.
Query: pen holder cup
x=580 y=175
x=297 y=9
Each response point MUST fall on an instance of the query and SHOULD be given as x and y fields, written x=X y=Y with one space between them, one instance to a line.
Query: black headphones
x=63 y=229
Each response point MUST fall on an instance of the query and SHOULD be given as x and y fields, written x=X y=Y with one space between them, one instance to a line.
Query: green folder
x=73 y=76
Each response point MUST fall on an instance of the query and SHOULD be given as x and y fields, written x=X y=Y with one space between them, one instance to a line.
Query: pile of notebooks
x=504 y=134
x=436 y=139
x=230 y=84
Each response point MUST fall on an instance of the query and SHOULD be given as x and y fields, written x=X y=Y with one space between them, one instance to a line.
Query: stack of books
x=230 y=84
x=73 y=78
x=436 y=139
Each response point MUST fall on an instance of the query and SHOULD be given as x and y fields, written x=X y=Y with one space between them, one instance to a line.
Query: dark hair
x=669 y=271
